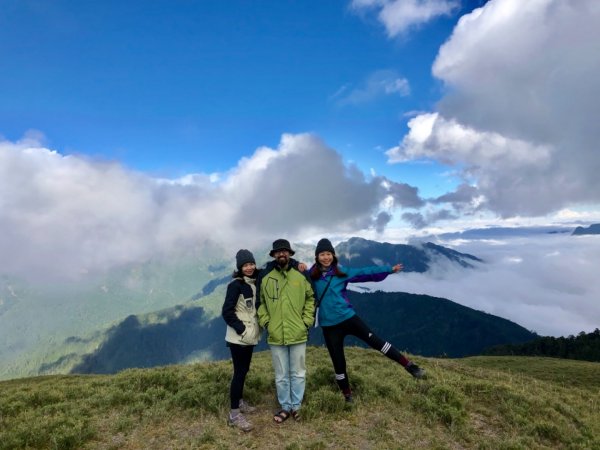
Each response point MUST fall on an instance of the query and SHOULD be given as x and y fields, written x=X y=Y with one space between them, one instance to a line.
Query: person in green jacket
x=286 y=311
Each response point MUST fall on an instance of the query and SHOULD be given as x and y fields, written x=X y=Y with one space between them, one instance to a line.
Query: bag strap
x=324 y=292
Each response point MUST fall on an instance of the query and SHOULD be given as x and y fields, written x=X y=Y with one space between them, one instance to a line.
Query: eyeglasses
x=281 y=252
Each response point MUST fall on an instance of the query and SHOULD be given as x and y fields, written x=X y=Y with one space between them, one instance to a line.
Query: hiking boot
x=415 y=371
x=347 y=395
x=240 y=422
x=246 y=408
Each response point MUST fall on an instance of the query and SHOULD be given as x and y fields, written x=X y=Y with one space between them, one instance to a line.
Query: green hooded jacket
x=287 y=306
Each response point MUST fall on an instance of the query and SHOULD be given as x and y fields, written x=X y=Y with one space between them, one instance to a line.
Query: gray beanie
x=242 y=257
x=324 y=245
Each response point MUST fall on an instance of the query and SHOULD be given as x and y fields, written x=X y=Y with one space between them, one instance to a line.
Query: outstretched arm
x=372 y=273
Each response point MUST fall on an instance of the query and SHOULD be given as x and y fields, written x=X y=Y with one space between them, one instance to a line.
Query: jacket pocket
x=250 y=335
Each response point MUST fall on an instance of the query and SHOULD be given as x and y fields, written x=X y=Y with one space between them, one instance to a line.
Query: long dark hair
x=315 y=272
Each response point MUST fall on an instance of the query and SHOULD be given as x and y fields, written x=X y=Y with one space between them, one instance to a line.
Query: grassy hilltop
x=480 y=402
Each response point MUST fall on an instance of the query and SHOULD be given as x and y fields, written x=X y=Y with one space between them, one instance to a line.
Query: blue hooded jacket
x=335 y=306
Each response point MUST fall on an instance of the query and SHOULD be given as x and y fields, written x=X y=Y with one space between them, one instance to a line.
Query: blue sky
x=133 y=126
x=177 y=87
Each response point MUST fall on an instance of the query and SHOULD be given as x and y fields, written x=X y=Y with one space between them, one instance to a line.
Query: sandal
x=281 y=416
x=296 y=415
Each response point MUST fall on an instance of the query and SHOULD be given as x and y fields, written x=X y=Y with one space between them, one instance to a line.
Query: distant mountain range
x=592 y=229
x=415 y=323
x=360 y=252
x=418 y=324
x=191 y=329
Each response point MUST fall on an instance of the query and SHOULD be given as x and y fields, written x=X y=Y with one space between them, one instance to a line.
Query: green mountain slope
x=36 y=319
x=419 y=324
x=433 y=326
x=488 y=403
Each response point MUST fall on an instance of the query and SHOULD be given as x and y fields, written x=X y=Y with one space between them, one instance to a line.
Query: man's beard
x=282 y=261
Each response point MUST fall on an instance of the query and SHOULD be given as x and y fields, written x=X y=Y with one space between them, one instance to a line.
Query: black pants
x=241 y=356
x=334 y=339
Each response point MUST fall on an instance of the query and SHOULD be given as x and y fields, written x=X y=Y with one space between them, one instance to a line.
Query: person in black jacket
x=243 y=333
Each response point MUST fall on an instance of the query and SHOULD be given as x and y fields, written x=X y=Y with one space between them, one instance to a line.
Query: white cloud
x=379 y=84
x=432 y=136
x=546 y=283
x=64 y=215
x=399 y=16
x=520 y=114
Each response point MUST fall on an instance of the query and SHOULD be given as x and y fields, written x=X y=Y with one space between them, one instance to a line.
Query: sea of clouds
x=546 y=283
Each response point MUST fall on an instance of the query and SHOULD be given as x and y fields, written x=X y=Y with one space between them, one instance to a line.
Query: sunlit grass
x=484 y=402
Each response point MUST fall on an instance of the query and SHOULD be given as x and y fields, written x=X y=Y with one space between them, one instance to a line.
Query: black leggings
x=334 y=339
x=241 y=356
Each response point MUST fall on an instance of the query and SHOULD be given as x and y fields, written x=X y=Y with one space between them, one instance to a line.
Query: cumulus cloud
x=546 y=283
x=383 y=218
x=399 y=16
x=415 y=219
x=463 y=195
x=62 y=215
x=379 y=84
x=519 y=119
x=420 y=220
x=404 y=195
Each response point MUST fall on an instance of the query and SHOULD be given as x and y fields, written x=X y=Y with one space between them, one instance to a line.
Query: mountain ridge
x=430 y=326
x=592 y=229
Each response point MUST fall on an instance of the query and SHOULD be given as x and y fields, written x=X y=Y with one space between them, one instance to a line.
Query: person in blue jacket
x=337 y=317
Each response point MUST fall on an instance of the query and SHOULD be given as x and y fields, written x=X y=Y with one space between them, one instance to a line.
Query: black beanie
x=324 y=245
x=242 y=257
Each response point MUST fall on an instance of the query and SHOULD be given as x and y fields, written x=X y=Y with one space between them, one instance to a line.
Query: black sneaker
x=415 y=371
x=348 y=398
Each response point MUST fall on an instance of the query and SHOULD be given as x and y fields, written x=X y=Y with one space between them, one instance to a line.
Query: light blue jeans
x=289 y=363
